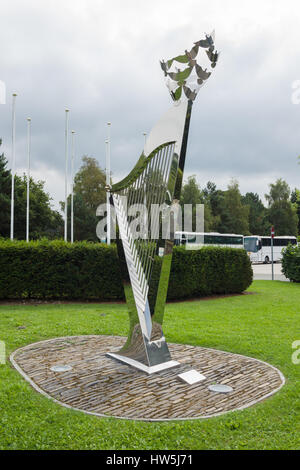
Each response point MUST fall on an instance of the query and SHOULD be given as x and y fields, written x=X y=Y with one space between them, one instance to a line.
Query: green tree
x=5 y=190
x=192 y=194
x=295 y=200
x=258 y=223
x=44 y=222
x=89 y=193
x=89 y=182
x=235 y=215
x=85 y=220
x=213 y=198
x=282 y=213
x=279 y=192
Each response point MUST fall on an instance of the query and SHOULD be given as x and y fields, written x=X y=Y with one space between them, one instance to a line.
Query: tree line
x=44 y=221
x=226 y=211
x=231 y=212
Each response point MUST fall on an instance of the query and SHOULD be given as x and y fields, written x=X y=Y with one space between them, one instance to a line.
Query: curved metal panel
x=169 y=128
x=155 y=183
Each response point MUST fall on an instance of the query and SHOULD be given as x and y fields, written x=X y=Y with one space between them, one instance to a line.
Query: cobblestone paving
x=101 y=385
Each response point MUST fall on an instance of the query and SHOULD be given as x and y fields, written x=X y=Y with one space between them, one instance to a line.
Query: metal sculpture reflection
x=194 y=76
x=155 y=182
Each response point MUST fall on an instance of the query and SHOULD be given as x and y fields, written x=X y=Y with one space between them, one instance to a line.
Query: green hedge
x=59 y=270
x=90 y=271
x=209 y=271
x=291 y=263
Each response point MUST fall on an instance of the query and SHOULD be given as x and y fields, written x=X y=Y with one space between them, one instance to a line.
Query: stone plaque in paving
x=95 y=384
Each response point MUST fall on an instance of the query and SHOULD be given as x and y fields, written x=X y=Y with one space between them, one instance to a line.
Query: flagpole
x=145 y=197
x=108 y=183
x=66 y=172
x=72 y=188
x=28 y=175
x=12 y=205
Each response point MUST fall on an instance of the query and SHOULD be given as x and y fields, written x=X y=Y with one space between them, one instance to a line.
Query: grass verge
x=263 y=325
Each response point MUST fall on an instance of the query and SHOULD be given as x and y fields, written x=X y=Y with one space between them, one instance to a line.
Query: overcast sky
x=101 y=60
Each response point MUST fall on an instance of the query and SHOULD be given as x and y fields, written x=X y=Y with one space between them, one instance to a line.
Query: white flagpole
x=145 y=197
x=72 y=188
x=12 y=205
x=108 y=183
x=28 y=175
x=66 y=171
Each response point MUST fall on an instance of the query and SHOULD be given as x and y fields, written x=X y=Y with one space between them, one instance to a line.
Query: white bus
x=193 y=241
x=259 y=248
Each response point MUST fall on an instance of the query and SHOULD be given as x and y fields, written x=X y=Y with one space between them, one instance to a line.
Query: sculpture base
x=143 y=367
x=100 y=386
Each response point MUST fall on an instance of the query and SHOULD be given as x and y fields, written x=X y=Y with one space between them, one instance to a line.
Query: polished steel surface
x=169 y=128
x=138 y=365
x=187 y=82
x=151 y=189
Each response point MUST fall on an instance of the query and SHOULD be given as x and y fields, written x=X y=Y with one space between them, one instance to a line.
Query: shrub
x=209 y=271
x=90 y=271
x=58 y=270
x=291 y=263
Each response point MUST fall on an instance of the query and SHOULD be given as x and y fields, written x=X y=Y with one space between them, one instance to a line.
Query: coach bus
x=193 y=241
x=259 y=248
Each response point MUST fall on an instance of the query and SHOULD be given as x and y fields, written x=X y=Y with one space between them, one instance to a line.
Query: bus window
x=209 y=240
x=251 y=244
x=284 y=241
x=266 y=241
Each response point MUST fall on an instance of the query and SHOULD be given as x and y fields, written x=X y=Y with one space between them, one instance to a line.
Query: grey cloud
x=101 y=61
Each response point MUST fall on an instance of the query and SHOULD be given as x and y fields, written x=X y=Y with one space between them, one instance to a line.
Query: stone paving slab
x=102 y=386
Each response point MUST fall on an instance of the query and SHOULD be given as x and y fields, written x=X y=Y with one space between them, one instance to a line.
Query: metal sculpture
x=155 y=184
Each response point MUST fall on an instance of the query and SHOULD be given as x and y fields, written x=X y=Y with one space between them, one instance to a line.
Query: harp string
x=148 y=187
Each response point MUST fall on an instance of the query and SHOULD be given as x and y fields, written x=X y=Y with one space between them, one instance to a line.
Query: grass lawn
x=263 y=325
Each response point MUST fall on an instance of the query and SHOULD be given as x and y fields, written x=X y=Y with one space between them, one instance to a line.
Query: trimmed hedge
x=90 y=271
x=58 y=270
x=291 y=263
x=209 y=271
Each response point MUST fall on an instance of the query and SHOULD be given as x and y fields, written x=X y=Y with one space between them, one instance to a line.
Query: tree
x=89 y=193
x=44 y=222
x=192 y=194
x=213 y=198
x=90 y=183
x=258 y=223
x=5 y=190
x=295 y=195
x=295 y=200
x=282 y=214
x=235 y=215
x=279 y=192
x=85 y=220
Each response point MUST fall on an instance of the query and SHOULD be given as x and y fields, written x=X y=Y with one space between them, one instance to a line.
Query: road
x=263 y=272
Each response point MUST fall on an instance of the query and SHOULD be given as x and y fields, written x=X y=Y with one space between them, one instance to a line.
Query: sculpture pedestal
x=150 y=356
x=143 y=367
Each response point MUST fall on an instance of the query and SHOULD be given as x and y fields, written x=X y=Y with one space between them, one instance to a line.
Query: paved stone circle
x=99 y=385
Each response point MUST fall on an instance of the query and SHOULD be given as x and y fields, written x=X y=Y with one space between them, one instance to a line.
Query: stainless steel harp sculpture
x=155 y=182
